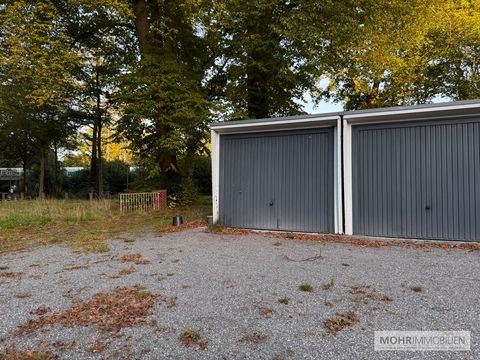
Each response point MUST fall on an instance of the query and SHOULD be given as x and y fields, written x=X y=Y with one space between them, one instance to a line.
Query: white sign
x=422 y=340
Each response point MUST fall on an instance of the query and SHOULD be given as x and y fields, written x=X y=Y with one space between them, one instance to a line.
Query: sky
x=323 y=107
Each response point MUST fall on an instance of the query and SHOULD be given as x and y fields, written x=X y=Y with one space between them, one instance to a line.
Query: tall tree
x=165 y=110
x=36 y=59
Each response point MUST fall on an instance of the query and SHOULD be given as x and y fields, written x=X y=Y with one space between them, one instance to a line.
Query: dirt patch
x=137 y=259
x=124 y=307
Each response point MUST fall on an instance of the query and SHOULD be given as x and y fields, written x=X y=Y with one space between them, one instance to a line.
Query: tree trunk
x=99 y=122
x=56 y=177
x=141 y=23
x=24 y=176
x=93 y=160
x=41 y=186
x=100 y=162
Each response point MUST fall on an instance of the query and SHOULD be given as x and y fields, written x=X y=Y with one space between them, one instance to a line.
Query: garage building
x=409 y=172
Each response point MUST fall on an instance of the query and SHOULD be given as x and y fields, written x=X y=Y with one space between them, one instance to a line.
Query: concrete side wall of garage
x=417 y=180
x=278 y=181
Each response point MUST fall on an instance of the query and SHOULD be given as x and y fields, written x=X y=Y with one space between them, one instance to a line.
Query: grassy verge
x=82 y=224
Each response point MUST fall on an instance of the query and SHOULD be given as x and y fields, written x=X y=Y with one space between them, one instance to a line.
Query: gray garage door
x=278 y=181
x=417 y=180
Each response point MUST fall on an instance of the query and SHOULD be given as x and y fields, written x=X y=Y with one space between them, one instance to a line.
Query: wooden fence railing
x=146 y=201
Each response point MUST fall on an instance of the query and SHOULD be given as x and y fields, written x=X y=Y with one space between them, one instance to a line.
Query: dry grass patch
x=23 y=295
x=365 y=294
x=40 y=311
x=12 y=354
x=11 y=275
x=341 y=321
x=265 y=311
x=252 y=338
x=284 y=301
x=75 y=267
x=121 y=308
x=127 y=271
x=192 y=337
x=97 y=347
x=26 y=224
x=137 y=259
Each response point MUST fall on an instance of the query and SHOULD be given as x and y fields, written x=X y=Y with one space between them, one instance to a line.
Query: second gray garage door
x=278 y=181
x=417 y=180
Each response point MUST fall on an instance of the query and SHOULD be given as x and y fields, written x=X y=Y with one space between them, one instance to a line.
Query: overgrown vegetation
x=82 y=224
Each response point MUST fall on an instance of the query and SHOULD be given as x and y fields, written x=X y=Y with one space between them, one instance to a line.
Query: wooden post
x=90 y=196
x=22 y=196
x=66 y=195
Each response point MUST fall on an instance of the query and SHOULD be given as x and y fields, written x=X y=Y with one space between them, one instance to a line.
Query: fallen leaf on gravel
x=341 y=322
x=355 y=241
x=127 y=271
x=12 y=354
x=11 y=275
x=42 y=310
x=23 y=295
x=135 y=258
x=121 y=308
x=186 y=226
x=265 y=311
x=252 y=337
x=75 y=267
x=97 y=347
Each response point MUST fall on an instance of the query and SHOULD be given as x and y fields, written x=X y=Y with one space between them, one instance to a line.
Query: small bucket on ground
x=177 y=220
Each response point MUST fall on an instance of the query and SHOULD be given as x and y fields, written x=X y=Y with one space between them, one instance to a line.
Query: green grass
x=84 y=225
x=15 y=214
x=306 y=287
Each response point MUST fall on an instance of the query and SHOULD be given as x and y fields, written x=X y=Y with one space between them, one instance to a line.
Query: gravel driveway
x=239 y=295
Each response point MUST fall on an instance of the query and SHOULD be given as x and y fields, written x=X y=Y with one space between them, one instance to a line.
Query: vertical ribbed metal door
x=278 y=181
x=417 y=180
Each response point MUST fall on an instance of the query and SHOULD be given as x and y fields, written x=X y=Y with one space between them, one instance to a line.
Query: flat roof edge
x=411 y=111
x=324 y=119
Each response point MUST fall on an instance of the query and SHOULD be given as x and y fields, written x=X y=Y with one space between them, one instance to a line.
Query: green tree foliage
x=165 y=110
x=259 y=68
x=406 y=53
x=160 y=70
